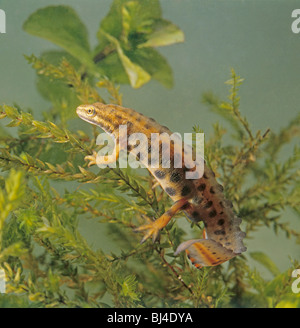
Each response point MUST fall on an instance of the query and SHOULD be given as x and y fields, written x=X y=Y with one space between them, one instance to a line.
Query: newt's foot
x=151 y=229
x=92 y=159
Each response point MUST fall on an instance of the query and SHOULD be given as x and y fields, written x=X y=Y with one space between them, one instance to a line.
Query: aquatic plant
x=48 y=193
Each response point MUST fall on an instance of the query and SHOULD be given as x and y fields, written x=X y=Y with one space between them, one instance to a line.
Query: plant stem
x=108 y=50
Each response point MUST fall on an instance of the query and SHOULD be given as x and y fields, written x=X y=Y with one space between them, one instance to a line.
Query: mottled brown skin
x=201 y=199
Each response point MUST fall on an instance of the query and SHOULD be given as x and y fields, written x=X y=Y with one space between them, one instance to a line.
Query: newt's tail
x=205 y=252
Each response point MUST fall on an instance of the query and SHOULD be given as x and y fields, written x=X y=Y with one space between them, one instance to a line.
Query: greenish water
x=253 y=37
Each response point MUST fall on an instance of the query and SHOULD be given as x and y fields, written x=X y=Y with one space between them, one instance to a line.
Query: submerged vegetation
x=48 y=194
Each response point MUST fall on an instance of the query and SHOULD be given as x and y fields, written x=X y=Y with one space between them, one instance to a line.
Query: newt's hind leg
x=153 y=227
x=205 y=252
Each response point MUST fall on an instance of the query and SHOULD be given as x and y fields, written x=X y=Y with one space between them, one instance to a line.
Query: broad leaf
x=113 y=22
x=136 y=22
x=164 y=33
x=136 y=74
x=155 y=64
x=112 y=67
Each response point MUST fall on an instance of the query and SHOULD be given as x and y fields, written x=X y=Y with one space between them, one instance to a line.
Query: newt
x=201 y=199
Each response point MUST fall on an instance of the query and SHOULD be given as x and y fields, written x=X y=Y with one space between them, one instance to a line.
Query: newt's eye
x=90 y=111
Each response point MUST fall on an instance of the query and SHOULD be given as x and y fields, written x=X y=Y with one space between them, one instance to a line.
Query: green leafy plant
x=47 y=259
x=126 y=52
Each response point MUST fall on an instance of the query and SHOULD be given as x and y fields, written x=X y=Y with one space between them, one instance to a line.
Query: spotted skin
x=202 y=199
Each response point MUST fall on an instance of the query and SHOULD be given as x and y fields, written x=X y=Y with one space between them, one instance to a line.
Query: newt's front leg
x=107 y=159
x=95 y=158
x=153 y=227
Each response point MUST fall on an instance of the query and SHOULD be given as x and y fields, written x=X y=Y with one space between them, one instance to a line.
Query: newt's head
x=100 y=114
x=90 y=113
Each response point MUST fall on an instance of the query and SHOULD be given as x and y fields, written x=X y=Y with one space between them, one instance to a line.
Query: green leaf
x=165 y=33
x=136 y=74
x=155 y=64
x=113 y=22
x=136 y=22
x=11 y=112
x=112 y=67
x=264 y=260
x=62 y=26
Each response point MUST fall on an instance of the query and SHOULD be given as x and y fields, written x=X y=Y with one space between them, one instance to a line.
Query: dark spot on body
x=170 y=191
x=208 y=204
x=185 y=191
x=201 y=187
x=175 y=177
x=160 y=174
x=212 y=190
x=221 y=222
x=195 y=214
x=212 y=214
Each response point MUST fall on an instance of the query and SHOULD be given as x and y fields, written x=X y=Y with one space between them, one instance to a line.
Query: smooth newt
x=202 y=199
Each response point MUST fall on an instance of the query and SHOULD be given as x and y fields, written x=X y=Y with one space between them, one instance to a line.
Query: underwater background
x=253 y=37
